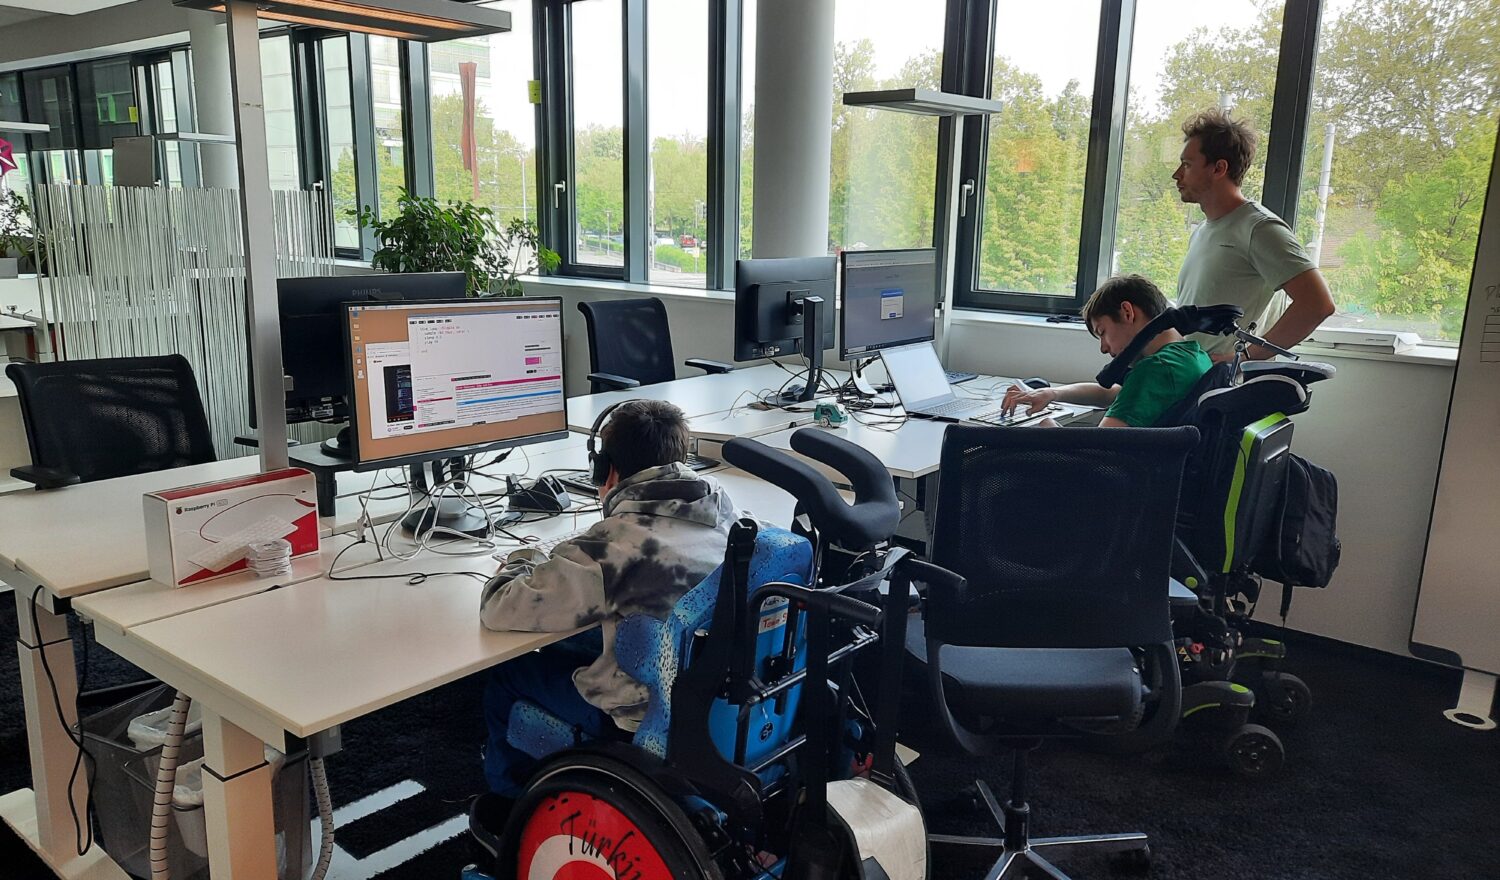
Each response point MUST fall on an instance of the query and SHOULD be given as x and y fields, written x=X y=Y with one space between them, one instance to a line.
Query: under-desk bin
x=126 y=757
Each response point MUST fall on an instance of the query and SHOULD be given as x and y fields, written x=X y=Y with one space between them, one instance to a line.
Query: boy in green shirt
x=1168 y=367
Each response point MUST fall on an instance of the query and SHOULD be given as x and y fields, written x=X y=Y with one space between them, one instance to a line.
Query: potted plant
x=428 y=236
x=16 y=237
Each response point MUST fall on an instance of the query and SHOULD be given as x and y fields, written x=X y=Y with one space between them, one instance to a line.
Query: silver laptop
x=923 y=387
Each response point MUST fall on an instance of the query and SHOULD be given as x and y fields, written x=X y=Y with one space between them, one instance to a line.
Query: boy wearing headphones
x=665 y=529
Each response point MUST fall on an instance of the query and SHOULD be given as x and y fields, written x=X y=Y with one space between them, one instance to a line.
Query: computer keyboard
x=951 y=408
x=583 y=481
x=218 y=556
x=546 y=546
x=997 y=417
x=959 y=377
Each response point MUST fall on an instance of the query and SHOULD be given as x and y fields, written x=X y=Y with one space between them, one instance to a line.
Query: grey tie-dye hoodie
x=664 y=530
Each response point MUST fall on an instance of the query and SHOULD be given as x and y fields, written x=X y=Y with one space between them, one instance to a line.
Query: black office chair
x=96 y=419
x=1058 y=620
x=630 y=345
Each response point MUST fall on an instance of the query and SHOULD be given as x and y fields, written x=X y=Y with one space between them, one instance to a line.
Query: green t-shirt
x=1157 y=382
x=1242 y=259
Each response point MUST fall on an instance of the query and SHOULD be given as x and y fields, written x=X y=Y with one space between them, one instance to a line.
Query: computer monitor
x=889 y=299
x=442 y=379
x=311 y=313
x=773 y=300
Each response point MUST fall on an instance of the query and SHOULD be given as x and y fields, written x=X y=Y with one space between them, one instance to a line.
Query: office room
x=749 y=438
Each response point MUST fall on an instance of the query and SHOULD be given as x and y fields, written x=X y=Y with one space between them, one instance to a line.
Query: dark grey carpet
x=1377 y=783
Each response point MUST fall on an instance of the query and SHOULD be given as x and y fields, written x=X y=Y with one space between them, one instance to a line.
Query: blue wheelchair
x=758 y=756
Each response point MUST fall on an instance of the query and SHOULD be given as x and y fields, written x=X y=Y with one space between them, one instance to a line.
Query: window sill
x=552 y=282
x=1429 y=355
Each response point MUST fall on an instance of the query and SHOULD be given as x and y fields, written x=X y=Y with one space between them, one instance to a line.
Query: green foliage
x=426 y=236
x=18 y=235
x=672 y=255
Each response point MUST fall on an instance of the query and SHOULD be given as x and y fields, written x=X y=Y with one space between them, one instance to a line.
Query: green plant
x=428 y=236
x=15 y=224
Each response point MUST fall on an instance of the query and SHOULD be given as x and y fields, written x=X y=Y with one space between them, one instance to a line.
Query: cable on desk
x=83 y=832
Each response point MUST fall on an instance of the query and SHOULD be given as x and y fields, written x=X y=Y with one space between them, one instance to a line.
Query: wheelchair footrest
x=888 y=832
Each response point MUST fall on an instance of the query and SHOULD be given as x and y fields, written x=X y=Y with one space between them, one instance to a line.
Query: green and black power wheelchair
x=757 y=758
x=1232 y=491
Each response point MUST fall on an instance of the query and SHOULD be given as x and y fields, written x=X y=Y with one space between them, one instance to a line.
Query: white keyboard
x=952 y=408
x=216 y=557
x=545 y=545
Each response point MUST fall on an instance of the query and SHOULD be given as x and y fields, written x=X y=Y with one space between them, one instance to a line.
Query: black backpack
x=1302 y=548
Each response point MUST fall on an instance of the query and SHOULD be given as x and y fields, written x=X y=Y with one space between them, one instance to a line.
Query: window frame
x=1291 y=103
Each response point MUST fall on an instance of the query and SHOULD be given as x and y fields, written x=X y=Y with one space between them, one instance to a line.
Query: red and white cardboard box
x=201 y=532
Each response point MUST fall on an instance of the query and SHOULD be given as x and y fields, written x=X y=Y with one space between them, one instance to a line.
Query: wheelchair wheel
x=595 y=817
x=1254 y=751
x=1282 y=698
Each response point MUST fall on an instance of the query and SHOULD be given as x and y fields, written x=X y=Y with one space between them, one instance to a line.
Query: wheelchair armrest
x=45 y=477
x=708 y=366
x=613 y=382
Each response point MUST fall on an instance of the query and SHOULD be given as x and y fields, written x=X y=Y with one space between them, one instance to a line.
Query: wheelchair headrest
x=1255 y=399
x=873 y=516
x=1302 y=372
x=1214 y=320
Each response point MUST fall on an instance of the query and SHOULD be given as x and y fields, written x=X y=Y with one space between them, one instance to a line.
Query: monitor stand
x=338 y=446
x=449 y=512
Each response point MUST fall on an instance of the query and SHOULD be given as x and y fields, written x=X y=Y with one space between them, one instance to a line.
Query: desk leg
x=237 y=802
x=52 y=750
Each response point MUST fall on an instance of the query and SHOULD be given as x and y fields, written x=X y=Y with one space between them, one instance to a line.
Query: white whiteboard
x=1458 y=606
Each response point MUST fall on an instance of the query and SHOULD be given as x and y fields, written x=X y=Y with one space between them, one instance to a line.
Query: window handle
x=965 y=192
x=559 y=189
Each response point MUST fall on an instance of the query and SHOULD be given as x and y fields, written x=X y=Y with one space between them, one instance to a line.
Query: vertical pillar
x=793 y=127
x=237 y=802
x=213 y=103
x=258 y=223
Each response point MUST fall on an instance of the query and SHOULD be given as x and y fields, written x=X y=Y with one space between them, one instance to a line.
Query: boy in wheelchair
x=1169 y=366
x=664 y=530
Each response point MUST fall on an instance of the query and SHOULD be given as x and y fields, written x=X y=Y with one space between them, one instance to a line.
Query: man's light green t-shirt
x=1242 y=258
x=1157 y=382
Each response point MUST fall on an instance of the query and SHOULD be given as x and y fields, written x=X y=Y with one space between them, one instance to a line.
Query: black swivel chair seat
x=630 y=345
x=97 y=419
x=1056 y=619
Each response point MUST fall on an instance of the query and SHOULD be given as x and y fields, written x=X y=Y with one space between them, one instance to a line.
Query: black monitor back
x=312 y=352
x=766 y=322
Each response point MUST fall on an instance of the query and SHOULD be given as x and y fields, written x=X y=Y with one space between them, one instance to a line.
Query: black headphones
x=599 y=461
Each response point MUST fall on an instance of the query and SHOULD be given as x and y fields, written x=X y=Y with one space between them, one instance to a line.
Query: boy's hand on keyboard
x=1029 y=399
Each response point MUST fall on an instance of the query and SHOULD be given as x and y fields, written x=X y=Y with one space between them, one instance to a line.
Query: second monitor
x=890 y=299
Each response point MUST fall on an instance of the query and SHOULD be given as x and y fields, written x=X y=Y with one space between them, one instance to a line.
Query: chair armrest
x=45 y=477
x=612 y=382
x=708 y=366
x=935 y=578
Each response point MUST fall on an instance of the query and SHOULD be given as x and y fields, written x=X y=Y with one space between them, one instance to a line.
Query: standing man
x=1243 y=253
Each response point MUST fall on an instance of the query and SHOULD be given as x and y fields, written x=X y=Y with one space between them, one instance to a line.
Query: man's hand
x=525 y=554
x=1032 y=399
x=1222 y=357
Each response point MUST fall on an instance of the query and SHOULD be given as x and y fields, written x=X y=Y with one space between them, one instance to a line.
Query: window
x=883 y=164
x=1031 y=197
x=18 y=180
x=1411 y=123
x=598 y=132
x=390 y=138
x=338 y=116
x=747 y=126
x=1218 y=55
x=281 y=111
x=677 y=119
x=501 y=172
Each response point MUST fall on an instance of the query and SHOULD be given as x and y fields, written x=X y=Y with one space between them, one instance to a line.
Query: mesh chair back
x=113 y=417
x=630 y=338
x=1064 y=535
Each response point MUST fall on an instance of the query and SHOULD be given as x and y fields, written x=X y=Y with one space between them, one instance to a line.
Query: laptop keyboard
x=951 y=408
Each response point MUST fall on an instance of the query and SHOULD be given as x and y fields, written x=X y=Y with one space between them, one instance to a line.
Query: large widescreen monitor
x=890 y=299
x=436 y=380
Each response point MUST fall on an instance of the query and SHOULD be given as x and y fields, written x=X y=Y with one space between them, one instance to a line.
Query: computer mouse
x=1035 y=382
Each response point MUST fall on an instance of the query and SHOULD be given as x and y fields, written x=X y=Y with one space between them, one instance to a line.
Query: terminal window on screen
x=889 y=303
x=441 y=368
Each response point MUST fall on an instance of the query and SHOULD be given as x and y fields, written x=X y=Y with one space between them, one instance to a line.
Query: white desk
x=911 y=451
x=695 y=395
x=318 y=653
